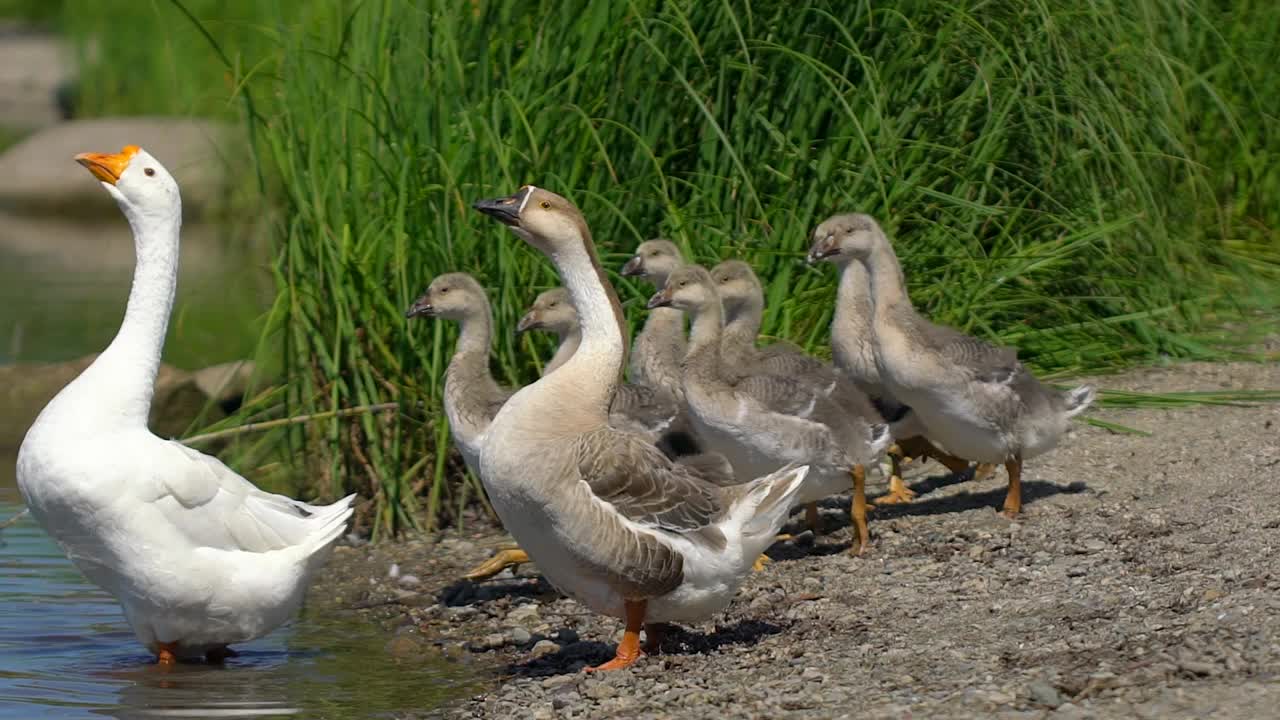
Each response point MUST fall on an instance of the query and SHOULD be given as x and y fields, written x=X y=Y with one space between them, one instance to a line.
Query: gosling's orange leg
x=1013 y=498
x=166 y=654
x=629 y=649
x=500 y=561
x=859 y=510
x=812 y=519
x=898 y=490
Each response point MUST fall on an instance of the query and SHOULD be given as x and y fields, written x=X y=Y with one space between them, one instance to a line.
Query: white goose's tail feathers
x=764 y=508
x=330 y=523
x=1079 y=399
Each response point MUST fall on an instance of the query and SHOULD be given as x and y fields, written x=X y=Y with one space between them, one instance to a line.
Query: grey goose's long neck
x=570 y=339
x=703 y=361
x=596 y=368
x=741 y=327
x=851 y=322
x=660 y=344
x=469 y=384
x=888 y=288
x=122 y=379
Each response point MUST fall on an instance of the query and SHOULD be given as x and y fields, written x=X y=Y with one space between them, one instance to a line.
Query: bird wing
x=212 y=506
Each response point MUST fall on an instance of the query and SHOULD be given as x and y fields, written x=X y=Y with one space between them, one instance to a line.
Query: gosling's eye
x=554 y=304
x=683 y=283
x=654 y=253
x=150 y=171
x=724 y=281
x=545 y=205
x=444 y=290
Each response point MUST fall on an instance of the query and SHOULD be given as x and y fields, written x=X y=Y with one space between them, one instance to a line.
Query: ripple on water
x=66 y=651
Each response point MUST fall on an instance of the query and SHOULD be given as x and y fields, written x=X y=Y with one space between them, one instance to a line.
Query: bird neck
x=854 y=307
x=706 y=338
x=122 y=378
x=570 y=339
x=602 y=350
x=888 y=289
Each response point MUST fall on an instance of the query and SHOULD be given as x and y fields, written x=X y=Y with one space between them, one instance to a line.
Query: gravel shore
x=1141 y=581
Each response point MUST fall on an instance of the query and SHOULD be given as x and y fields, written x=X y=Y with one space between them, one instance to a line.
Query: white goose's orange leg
x=166 y=654
x=628 y=651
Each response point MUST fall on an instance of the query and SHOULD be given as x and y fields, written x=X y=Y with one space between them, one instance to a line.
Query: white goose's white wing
x=212 y=506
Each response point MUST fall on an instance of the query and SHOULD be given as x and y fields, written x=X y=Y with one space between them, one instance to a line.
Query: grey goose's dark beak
x=529 y=321
x=420 y=307
x=822 y=249
x=662 y=298
x=505 y=210
x=634 y=267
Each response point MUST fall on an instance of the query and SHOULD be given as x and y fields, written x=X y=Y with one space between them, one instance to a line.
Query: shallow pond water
x=66 y=652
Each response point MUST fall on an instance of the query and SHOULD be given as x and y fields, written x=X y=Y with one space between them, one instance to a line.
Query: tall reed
x=1089 y=181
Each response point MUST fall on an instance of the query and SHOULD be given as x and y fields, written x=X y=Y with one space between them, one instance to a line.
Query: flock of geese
x=649 y=500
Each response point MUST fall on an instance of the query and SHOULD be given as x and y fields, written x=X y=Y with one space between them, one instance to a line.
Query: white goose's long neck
x=122 y=379
x=596 y=367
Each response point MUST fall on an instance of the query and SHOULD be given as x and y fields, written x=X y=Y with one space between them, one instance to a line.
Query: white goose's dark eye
x=150 y=171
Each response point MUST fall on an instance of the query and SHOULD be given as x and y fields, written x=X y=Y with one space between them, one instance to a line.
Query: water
x=66 y=652
x=63 y=288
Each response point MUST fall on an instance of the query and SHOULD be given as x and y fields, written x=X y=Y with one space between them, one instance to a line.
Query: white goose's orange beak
x=108 y=167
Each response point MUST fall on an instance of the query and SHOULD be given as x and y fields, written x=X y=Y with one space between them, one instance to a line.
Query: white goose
x=197 y=556
x=609 y=519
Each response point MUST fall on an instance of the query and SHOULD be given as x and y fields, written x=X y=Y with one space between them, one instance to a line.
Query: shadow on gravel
x=805 y=544
x=676 y=641
x=1032 y=491
x=467 y=592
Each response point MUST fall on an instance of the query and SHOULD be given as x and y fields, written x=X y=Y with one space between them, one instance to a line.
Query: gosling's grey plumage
x=974 y=399
x=471 y=396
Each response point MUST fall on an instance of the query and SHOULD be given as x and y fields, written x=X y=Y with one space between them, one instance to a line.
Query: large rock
x=181 y=397
x=40 y=176
x=33 y=67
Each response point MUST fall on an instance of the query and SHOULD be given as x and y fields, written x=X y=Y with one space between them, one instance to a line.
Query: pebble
x=1045 y=694
x=523 y=615
x=597 y=690
x=542 y=648
x=520 y=636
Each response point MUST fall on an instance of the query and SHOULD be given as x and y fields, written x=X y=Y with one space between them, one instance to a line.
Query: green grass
x=1092 y=184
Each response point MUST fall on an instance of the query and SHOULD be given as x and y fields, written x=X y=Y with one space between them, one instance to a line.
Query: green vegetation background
x=1092 y=182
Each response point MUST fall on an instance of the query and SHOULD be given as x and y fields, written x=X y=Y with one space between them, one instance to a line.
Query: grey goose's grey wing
x=988 y=362
x=645 y=487
x=648 y=408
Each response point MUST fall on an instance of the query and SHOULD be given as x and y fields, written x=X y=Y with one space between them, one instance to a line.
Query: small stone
x=1068 y=711
x=520 y=636
x=523 y=615
x=1211 y=595
x=559 y=681
x=1044 y=694
x=998 y=697
x=812 y=582
x=562 y=700
x=567 y=636
x=489 y=642
x=409 y=580
x=599 y=691
x=542 y=648
x=1094 y=545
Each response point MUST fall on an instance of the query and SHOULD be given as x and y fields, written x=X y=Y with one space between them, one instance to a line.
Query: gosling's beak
x=505 y=210
x=662 y=298
x=421 y=306
x=528 y=322
x=823 y=249
x=634 y=267
x=108 y=167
